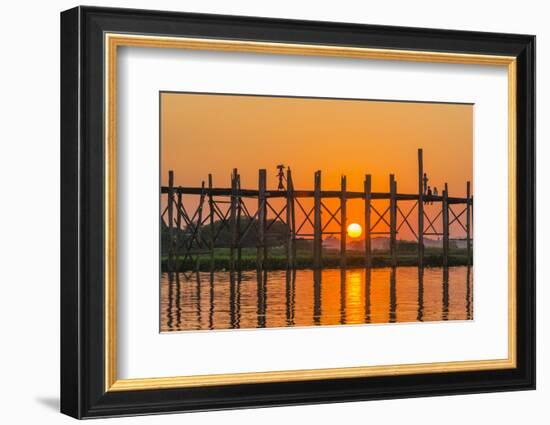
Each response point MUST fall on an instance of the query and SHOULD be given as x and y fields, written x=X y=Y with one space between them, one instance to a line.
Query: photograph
x=287 y=209
x=279 y=211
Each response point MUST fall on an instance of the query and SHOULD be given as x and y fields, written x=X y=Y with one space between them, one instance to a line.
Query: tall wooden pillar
x=317 y=230
x=170 y=221
x=420 y=209
x=445 y=219
x=177 y=241
x=393 y=221
x=468 y=231
x=238 y=224
x=261 y=250
x=368 y=247
x=199 y=225
x=233 y=220
x=212 y=232
x=343 y=221
x=290 y=221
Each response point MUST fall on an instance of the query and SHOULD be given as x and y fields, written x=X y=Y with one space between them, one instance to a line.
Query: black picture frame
x=82 y=212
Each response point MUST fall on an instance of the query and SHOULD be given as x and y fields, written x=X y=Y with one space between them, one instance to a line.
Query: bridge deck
x=252 y=193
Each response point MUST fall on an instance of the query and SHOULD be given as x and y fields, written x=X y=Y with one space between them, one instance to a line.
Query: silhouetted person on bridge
x=435 y=191
x=429 y=193
x=281 y=176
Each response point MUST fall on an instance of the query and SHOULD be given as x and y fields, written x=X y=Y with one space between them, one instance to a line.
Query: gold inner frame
x=113 y=41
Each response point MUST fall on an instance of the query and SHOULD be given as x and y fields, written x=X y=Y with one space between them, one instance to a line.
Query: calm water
x=224 y=300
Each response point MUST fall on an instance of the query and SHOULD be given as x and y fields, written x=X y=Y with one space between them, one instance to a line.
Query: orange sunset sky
x=205 y=133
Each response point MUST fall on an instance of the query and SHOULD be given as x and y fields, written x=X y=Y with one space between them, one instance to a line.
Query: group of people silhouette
x=428 y=190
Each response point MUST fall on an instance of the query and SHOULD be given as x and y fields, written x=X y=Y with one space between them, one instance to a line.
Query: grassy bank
x=276 y=260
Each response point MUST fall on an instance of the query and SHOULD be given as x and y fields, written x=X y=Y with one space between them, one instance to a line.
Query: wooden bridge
x=227 y=207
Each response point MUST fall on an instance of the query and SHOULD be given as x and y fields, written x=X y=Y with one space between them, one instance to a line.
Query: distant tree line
x=275 y=236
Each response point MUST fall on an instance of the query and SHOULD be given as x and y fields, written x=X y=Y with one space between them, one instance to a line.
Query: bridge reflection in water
x=268 y=299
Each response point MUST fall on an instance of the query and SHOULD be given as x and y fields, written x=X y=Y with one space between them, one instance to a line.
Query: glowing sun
x=354 y=230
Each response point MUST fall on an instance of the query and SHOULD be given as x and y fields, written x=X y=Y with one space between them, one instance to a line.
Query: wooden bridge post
x=368 y=248
x=238 y=225
x=262 y=248
x=317 y=230
x=393 y=220
x=420 y=209
x=179 y=207
x=343 y=221
x=199 y=226
x=445 y=219
x=468 y=218
x=233 y=220
x=290 y=221
x=170 y=221
x=212 y=233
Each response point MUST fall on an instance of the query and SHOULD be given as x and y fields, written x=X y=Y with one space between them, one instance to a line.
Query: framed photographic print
x=261 y=212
